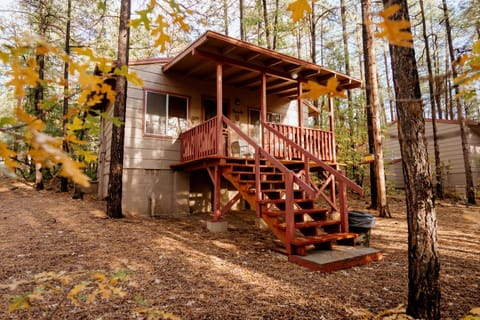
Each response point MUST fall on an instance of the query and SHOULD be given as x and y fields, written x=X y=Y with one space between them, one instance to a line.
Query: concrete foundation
x=217 y=226
x=260 y=224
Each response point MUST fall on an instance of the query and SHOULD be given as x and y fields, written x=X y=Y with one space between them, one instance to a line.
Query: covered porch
x=227 y=62
x=288 y=173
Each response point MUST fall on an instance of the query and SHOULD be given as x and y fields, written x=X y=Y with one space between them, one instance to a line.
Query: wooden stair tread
x=309 y=224
x=329 y=237
x=276 y=213
x=263 y=181
x=276 y=201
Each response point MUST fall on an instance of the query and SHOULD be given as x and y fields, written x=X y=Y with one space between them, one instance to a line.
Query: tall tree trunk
x=438 y=164
x=389 y=87
x=38 y=92
x=114 y=199
x=242 y=27
x=313 y=35
x=437 y=79
x=373 y=104
x=423 y=261
x=470 y=187
x=266 y=24
x=350 y=118
x=225 y=17
x=275 y=26
x=64 y=180
x=448 y=88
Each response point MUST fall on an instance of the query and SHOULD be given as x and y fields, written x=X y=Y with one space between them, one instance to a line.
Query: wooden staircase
x=267 y=192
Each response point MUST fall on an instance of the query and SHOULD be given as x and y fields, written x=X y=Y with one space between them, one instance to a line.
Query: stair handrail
x=310 y=156
x=290 y=179
x=343 y=181
x=302 y=184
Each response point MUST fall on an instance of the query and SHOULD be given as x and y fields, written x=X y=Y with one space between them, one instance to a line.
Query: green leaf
x=19 y=302
x=4 y=121
x=143 y=18
x=121 y=275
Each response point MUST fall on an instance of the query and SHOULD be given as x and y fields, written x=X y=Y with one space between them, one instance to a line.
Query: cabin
x=222 y=126
x=451 y=154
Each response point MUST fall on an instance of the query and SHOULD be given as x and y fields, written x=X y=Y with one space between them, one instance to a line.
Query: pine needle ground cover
x=63 y=259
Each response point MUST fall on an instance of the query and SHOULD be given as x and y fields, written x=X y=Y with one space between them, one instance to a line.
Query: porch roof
x=243 y=63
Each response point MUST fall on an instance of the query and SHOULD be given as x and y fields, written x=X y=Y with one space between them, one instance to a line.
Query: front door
x=209 y=106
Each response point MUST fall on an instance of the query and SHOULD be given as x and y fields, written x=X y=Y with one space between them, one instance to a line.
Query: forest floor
x=64 y=259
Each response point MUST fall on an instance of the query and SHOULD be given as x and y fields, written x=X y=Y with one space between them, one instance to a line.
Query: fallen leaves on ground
x=164 y=268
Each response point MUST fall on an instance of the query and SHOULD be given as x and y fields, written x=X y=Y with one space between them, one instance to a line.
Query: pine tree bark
x=373 y=105
x=266 y=24
x=389 y=87
x=470 y=187
x=225 y=17
x=64 y=180
x=38 y=91
x=242 y=27
x=438 y=164
x=114 y=199
x=423 y=260
x=346 y=56
x=275 y=25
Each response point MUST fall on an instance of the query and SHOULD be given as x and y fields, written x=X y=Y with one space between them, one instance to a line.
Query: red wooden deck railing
x=317 y=142
x=200 y=141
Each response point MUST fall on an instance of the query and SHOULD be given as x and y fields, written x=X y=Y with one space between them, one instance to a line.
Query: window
x=165 y=114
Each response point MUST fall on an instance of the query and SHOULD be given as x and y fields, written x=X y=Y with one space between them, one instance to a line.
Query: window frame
x=167 y=94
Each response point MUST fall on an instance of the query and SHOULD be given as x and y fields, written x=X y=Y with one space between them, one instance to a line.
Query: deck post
x=289 y=215
x=342 y=194
x=219 y=109
x=332 y=127
x=300 y=114
x=263 y=106
x=334 y=153
x=217 y=211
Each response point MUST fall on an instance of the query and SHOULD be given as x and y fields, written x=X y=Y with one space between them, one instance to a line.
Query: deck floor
x=340 y=257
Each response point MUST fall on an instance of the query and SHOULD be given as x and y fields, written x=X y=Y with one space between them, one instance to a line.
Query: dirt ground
x=63 y=259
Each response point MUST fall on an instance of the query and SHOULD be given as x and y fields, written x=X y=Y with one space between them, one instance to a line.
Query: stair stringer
x=271 y=222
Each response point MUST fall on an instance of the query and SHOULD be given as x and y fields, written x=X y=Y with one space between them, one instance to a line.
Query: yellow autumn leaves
x=159 y=31
x=89 y=289
x=470 y=63
x=23 y=77
x=90 y=89
x=397 y=32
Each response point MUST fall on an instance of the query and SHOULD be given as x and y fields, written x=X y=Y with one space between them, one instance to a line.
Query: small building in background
x=451 y=154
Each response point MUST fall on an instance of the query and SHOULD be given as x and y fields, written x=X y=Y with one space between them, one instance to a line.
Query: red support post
x=219 y=109
x=263 y=107
x=301 y=131
x=332 y=127
x=300 y=104
x=342 y=192
x=258 y=185
x=217 y=212
x=289 y=215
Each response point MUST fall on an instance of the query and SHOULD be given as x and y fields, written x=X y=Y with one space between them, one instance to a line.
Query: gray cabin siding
x=451 y=154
